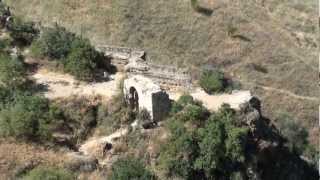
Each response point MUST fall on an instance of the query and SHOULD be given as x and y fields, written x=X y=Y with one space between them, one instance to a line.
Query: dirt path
x=94 y=146
x=214 y=102
x=282 y=91
x=63 y=86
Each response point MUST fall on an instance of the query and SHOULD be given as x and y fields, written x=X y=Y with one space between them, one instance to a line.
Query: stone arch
x=142 y=93
x=133 y=99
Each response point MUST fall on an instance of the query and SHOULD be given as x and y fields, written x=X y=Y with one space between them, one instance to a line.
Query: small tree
x=221 y=146
x=130 y=168
x=48 y=173
x=212 y=81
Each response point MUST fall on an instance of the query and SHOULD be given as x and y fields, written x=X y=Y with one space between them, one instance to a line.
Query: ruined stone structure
x=144 y=88
x=134 y=62
x=142 y=93
x=120 y=56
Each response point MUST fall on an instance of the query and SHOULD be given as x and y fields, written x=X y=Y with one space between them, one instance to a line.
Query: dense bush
x=77 y=56
x=23 y=33
x=12 y=72
x=296 y=135
x=130 y=168
x=222 y=148
x=44 y=173
x=83 y=59
x=182 y=102
x=212 y=81
x=178 y=154
x=27 y=117
x=187 y=109
x=54 y=43
x=214 y=150
x=5 y=44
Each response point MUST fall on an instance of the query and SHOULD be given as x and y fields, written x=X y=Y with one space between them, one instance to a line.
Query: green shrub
x=82 y=60
x=5 y=45
x=12 y=72
x=54 y=43
x=77 y=56
x=214 y=150
x=27 y=117
x=296 y=135
x=181 y=103
x=221 y=146
x=193 y=113
x=22 y=32
x=45 y=173
x=212 y=81
x=130 y=168
x=178 y=154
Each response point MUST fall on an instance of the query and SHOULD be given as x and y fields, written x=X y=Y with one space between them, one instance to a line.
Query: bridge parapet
x=134 y=62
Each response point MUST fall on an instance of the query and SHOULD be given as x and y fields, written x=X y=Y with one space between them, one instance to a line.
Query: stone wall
x=134 y=62
x=121 y=53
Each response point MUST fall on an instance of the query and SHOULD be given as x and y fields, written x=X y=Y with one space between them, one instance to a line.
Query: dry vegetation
x=17 y=155
x=271 y=43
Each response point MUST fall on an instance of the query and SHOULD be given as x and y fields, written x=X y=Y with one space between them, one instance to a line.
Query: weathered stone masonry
x=142 y=93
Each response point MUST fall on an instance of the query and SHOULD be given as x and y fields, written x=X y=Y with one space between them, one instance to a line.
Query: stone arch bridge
x=146 y=83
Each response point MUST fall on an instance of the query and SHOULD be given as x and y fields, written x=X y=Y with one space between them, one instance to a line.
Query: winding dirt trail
x=282 y=91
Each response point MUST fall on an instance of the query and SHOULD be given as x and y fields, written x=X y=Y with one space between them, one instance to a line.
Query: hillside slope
x=269 y=46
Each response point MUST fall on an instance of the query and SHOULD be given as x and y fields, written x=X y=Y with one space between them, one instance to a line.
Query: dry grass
x=14 y=154
x=279 y=35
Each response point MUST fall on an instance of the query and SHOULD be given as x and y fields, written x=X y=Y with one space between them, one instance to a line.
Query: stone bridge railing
x=122 y=53
x=135 y=63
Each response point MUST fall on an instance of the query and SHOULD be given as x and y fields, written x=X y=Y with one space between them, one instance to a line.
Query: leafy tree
x=130 y=168
x=212 y=149
x=22 y=32
x=222 y=146
x=82 y=60
x=235 y=144
x=212 y=81
x=178 y=154
x=296 y=135
x=45 y=173
x=12 y=72
x=27 y=117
